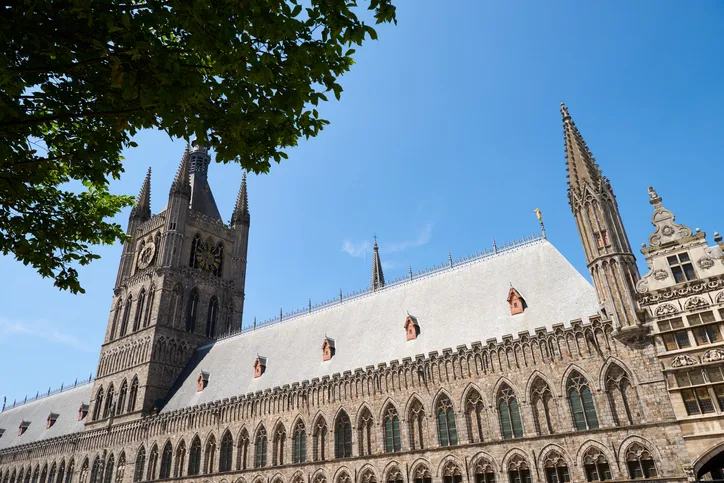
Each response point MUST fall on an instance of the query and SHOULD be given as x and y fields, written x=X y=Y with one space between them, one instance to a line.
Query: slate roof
x=454 y=307
x=65 y=404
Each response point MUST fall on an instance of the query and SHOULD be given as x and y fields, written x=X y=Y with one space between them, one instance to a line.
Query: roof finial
x=539 y=214
x=378 y=278
x=241 y=210
x=564 y=112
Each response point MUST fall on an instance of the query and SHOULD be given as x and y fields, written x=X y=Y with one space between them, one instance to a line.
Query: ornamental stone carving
x=720 y=297
x=714 y=355
x=705 y=263
x=667 y=229
x=695 y=303
x=666 y=309
x=683 y=360
x=661 y=274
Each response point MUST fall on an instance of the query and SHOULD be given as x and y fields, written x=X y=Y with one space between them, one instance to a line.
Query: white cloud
x=422 y=239
x=41 y=331
x=357 y=249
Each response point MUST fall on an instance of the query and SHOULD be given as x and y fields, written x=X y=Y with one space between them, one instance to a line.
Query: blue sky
x=447 y=135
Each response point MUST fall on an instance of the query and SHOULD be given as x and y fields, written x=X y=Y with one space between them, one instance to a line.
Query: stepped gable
x=65 y=403
x=456 y=307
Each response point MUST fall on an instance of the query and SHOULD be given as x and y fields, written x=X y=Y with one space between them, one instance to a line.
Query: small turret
x=241 y=209
x=142 y=209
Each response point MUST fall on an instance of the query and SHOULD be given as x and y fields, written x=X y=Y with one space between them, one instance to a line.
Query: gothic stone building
x=507 y=366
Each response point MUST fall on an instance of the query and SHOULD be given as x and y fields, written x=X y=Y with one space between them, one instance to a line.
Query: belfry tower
x=180 y=285
x=608 y=252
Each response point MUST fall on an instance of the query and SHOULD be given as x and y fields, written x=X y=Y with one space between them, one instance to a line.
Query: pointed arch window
x=621 y=397
x=542 y=400
x=228 y=318
x=126 y=316
x=179 y=460
x=227 y=450
x=474 y=408
x=61 y=472
x=518 y=470
x=556 y=468
x=96 y=475
x=211 y=317
x=219 y=269
x=394 y=475
x=192 y=310
x=484 y=472
x=280 y=439
x=392 y=430
x=140 y=465
x=195 y=457
x=640 y=463
x=451 y=473
x=422 y=474
x=260 y=449
x=164 y=471
x=596 y=465
x=177 y=295
x=342 y=436
x=582 y=408
x=122 y=397
x=132 y=395
x=416 y=420
x=446 y=428
x=152 y=463
x=299 y=444
x=98 y=407
x=140 y=305
x=69 y=473
x=210 y=456
x=116 y=317
x=108 y=409
x=44 y=474
x=242 y=452
x=108 y=478
x=509 y=413
x=319 y=440
x=149 y=306
x=121 y=470
x=36 y=473
x=195 y=244
x=364 y=432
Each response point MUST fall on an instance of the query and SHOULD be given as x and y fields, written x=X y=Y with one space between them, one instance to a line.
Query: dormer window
x=202 y=381
x=327 y=349
x=412 y=328
x=24 y=425
x=681 y=267
x=82 y=412
x=259 y=366
x=516 y=302
x=52 y=418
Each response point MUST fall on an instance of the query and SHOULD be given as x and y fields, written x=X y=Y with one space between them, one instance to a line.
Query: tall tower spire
x=180 y=182
x=241 y=209
x=142 y=209
x=378 y=278
x=608 y=252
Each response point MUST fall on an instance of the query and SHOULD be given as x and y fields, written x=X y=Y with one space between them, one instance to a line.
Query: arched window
x=484 y=471
x=474 y=408
x=157 y=242
x=122 y=397
x=98 y=407
x=140 y=465
x=596 y=465
x=195 y=457
x=541 y=401
x=299 y=444
x=149 y=306
x=179 y=460
x=581 y=400
x=195 y=244
x=392 y=430
x=44 y=474
x=242 y=455
x=518 y=471
x=96 y=475
x=69 y=473
x=416 y=420
x=140 y=305
x=342 y=436
x=108 y=478
x=509 y=413
x=319 y=440
x=227 y=451
x=280 y=439
x=556 y=468
x=132 y=395
x=152 y=463
x=421 y=474
x=228 y=317
x=446 y=428
x=51 y=474
x=211 y=317
x=364 y=432
x=116 y=317
x=260 y=449
x=36 y=473
x=394 y=475
x=108 y=409
x=120 y=472
x=639 y=462
x=192 y=310
x=210 y=456
x=61 y=473
x=219 y=270
x=164 y=471
x=621 y=397
x=126 y=316
x=343 y=477
x=451 y=473
x=175 y=312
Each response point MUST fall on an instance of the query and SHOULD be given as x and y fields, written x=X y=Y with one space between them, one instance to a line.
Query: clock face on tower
x=208 y=257
x=146 y=256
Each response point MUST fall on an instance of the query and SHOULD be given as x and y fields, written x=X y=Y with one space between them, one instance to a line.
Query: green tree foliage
x=78 y=78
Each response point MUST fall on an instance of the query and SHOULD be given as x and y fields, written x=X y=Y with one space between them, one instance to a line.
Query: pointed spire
x=241 y=210
x=142 y=209
x=181 y=182
x=378 y=278
x=581 y=164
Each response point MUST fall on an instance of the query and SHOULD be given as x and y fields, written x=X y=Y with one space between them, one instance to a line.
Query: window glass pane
x=719 y=392
x=452 y=428
x=701 y=336
x=693 y=319
x=515 y=419
x=604 y=471
x=442 y=428
x=505 y=426
x=649 y=469
x=577 y=409
x=705 y=402
x=672 y=260
x=634 y=469
x=689 y=271
x=714 y=333
x=678 y=274
x=682 y=338
x=682 y=379
x=683 y=257
x=551 y=475
x=670 y=342
x=589 y=407
x=664 y=325
x=707 y=317
x=714 y=374
x=696 y=377
x=692 y=407
x=677 y=323
x=388 y=435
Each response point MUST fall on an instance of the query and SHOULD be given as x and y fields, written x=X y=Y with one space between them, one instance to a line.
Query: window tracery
x=299 y=444
x=451 y=473
x=446 y=427
x=260 y=449
x=416 y=419
x=210 y=456
x=556 y=468
x=280 y=439
x=509 y=413
x=227 y=450
x=474 y=408
x=518 y=470
x=596 y=465
x=139 y=466
x=364 y=432
x=342 y=436
x=640 y=463
x=319 y=440
x=195 y=457
x=164 y=471
x=484 y=471
x=392 y=430
x=580 y=398
x=543 y=410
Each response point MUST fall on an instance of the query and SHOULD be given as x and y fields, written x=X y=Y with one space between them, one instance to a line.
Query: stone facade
x=602 y=399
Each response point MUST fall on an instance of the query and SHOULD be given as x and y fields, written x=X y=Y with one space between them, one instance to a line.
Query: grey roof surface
x=202 y=200
x=65 y=404
x=453 y=307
